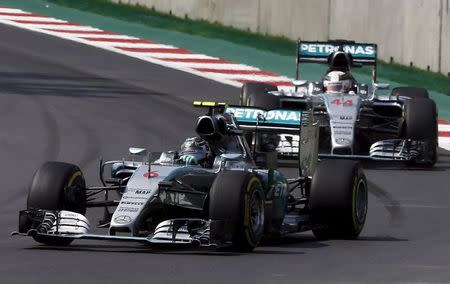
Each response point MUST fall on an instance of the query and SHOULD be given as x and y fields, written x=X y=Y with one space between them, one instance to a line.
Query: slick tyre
x=420 y=124
x=238 y=199
x=256 y=94
x=410 y=92
x=338 y=200
x=57 y=186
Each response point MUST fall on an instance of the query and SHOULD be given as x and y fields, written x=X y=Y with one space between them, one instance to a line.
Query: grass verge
x=280 y=45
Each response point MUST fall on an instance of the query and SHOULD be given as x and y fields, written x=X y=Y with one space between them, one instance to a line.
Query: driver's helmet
x=337 y=82
x=196 y=147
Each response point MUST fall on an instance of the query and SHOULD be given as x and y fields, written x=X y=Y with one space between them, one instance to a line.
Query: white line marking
x=444 y=127
x=230 y=66
x=12 y=10
x=31 y=18
x=252 y=77
x=127 y=44
x=180 y=56
x=444 y=142
x=40 y=28
x=82 y=35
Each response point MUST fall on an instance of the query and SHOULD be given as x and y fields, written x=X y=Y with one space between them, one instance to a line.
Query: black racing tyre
x=256 y=94
x=238 y=198
x=420 y=117
x=410 y=92
x=420 y=123
x=339 y=200
x=57 y=186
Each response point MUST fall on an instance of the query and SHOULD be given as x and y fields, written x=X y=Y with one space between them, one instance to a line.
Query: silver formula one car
x=355 y=120
x=240 y=199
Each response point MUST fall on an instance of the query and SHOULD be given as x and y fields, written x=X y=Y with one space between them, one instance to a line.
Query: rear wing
x=283 y=121
x=318 y=52
x=276 y=121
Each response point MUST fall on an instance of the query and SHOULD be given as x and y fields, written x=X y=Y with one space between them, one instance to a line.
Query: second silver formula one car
x=355 y=119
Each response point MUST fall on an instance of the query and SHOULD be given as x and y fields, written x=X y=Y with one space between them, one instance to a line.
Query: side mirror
x=146 y=156
x=140 y=152
x=382 y=86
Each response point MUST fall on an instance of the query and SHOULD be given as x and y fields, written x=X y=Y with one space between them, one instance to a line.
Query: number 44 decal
x=339 y=102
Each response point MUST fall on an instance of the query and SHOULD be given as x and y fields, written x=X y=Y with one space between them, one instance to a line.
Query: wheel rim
x=361 y=202
x=256 y=212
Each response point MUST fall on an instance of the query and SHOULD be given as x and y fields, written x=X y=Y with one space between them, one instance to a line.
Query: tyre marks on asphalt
x=392 y=206
x=89 y=144
x=50 y=142
x=8 y=143
x=51 y=127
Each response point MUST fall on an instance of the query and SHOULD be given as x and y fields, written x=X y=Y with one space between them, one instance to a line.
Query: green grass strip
x=280 y=45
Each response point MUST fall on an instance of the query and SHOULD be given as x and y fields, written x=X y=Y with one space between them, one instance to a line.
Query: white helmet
x=337 y=82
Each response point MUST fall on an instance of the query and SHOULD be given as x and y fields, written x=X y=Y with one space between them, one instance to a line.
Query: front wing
x=189 y=232
x=383 y=150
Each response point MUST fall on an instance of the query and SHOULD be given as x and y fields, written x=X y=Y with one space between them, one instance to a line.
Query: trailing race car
x=355 y=121
x=235 y=202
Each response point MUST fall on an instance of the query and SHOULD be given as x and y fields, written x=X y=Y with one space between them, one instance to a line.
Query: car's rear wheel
x=57 y=186
x=238 y=199
x=257 y=94
x=339 y=200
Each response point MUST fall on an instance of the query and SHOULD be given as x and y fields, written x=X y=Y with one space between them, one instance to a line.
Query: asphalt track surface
x=60 y=100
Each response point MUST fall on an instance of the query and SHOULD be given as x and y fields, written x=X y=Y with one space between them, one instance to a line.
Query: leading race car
x=355 y=120
x=232 y=202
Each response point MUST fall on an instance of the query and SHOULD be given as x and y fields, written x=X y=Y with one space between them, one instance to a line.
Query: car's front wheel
x=339 y=200
x=237 y=198
x=57 y=186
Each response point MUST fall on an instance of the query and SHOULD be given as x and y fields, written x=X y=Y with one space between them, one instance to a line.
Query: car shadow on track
x=402 y=166
x=442 y=164
x=107 y=248
x=289 y=245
